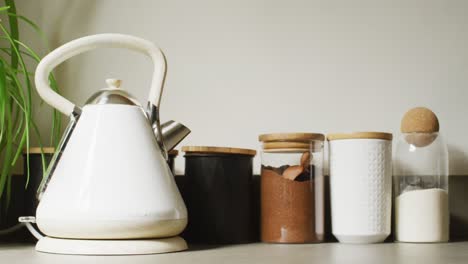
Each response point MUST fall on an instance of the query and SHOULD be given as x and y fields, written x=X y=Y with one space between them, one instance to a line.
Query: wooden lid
x=419 y=120
x=286 y=145
x=47 y=150
x=294 y=137
x=360 y=135
x=173 y=152
x=220 y=150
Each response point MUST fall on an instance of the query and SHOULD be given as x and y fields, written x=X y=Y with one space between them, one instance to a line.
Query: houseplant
x=17 y=123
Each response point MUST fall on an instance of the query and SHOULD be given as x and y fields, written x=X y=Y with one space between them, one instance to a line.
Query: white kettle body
x=111 y=179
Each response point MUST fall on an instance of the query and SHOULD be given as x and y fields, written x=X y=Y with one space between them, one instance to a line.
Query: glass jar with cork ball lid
x=421 y=180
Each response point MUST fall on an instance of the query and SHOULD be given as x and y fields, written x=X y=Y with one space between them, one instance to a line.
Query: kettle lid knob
x=113 y=83
x=112 y=94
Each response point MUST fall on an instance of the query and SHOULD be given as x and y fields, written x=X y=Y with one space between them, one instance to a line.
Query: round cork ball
x=419 y=120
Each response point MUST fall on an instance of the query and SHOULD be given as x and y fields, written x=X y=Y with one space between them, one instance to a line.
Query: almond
x=305 y=160
x=292 y=172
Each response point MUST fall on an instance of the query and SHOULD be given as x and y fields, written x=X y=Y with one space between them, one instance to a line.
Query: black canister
x=218 y=190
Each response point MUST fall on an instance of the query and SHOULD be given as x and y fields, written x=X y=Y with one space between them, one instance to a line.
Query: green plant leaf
x=56 y=121
x=3 y=99
x=20 y=102
x=16 y=119
x=5 y=171
x=34 y=26
x=28 y=115
x=14 y=31
x=7 y=51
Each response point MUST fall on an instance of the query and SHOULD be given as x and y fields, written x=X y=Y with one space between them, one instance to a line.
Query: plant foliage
x=17 y=124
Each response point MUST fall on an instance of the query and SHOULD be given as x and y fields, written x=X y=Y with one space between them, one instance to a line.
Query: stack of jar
x=219 y=182
x=292 y=185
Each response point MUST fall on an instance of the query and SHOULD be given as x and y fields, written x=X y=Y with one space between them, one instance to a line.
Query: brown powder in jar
x=288 y=210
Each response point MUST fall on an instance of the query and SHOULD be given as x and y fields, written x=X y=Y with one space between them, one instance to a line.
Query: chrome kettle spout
x=169 y=134
x=173 y=133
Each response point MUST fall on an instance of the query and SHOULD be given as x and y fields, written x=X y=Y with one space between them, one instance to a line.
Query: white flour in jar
x=422 y=216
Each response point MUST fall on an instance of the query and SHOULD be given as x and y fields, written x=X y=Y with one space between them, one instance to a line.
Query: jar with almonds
x=292 y=188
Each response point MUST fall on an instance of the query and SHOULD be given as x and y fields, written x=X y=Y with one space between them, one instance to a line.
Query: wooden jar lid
x=294 y=137
x=286 y=145
x=173 y=152
x=46 y=150
x=289 y=141
x=360 y=135
x=219 y=150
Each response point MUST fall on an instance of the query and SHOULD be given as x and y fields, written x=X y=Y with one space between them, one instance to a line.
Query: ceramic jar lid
x=219 y=150
x=360 y=135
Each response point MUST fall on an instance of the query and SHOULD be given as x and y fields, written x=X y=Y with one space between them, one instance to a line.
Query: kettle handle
x=78 y=46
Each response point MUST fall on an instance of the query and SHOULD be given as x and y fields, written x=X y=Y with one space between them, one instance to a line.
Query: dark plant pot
x=23 y=197
x=9 y=213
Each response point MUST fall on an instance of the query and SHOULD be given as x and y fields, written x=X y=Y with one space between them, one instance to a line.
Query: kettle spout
x=173 y=133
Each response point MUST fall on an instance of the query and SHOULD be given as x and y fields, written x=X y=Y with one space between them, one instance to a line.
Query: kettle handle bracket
x=78 y=46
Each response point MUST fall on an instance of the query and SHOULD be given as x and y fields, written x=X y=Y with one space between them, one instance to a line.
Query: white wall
x=244 y=67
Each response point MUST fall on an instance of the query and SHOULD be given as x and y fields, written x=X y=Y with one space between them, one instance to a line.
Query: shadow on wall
x=63 y=21
x=458 y=161
x=62 y=17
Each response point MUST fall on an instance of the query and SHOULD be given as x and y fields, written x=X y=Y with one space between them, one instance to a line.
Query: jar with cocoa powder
x=292 y=188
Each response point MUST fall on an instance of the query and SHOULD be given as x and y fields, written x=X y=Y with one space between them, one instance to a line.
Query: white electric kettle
x=111 y=190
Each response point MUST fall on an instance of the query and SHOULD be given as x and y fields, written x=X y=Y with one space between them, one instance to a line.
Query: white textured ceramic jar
x=361 y=186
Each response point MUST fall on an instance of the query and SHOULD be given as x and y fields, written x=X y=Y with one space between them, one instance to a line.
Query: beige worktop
x=456 y=253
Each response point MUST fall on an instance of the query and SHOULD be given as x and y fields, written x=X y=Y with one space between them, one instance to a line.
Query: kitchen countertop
x=455 y=253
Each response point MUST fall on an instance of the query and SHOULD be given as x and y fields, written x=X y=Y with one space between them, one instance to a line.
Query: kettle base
x=110 y=247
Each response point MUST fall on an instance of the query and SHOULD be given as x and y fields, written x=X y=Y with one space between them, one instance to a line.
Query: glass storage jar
x=292 y=188
x=421 y=180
